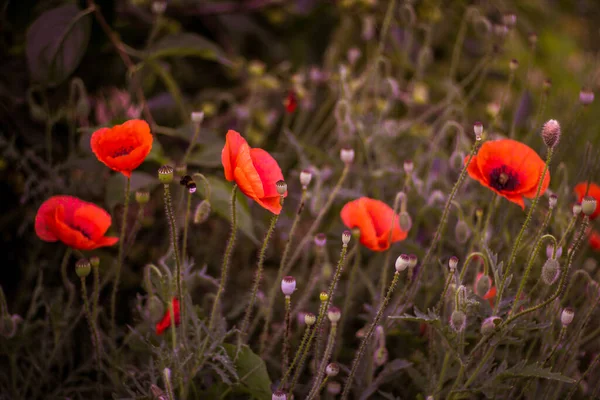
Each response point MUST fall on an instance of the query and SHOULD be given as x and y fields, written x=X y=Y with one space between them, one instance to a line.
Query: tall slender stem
x=299 y=352
x=285 y=359
x=91 y=324
x=324 y=361
x=590 y=368
x=173 y=228
x=113 y=299
x=186 y=224
x=69 y=287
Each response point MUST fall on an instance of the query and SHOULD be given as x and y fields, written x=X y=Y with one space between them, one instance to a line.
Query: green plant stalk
x=258 y=276
x=590 y=368
x=441 y=301
x=113 y=299
x=91 y=325
x=285 y=359
x=168 y=385
x=367 y=337
x=488 y=217
x=188 y=151
x=445 y=364
x=179 y=271
x=561 y=337
x=69 y=287
x=324 y=362
x=462 y=31
x=280 y=273
x=299 y=352
x=348 y=294
x=513 y=254
x=226 y=260
x=384 y=270
x=173 y=325
x=96 y=271
x=475 y=373
x=567 y=231
x=580 y=329
x=186 y=225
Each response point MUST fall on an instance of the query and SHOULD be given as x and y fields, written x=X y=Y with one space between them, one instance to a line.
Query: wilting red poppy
x=165 y=322
x=123 y=147
x=290 y=102
x=76 y=223
x=594 y=191
x=254 y=170
x=594 y=240
x=490 y=295
x=374 y=219
x=510 y=168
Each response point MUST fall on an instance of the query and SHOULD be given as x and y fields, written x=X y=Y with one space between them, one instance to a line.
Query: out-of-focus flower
x=165 y=322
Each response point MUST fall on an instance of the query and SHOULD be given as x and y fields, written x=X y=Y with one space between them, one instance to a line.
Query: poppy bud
x=381 y=356
x=320 y=239
x=95 y=261
x=181 y=169
x=334 y=388
x=334 y=314
x=408 y=167
x=576 y=209
x=453 y=263
x=513 y=65
x=281 y=187
x=462 y=232
x=191 y=187
x=347 y=155
x=159 y=7
x=165 y=174
x=197 y=117
x=551 y=133
x=402 y=262
x=353 y=55
x=483 y=285
x=346 y=237
x=458 y=320
x=552 y=200
x=83 y=267
x=279 y=395
x=412 y=260
x=493 y=109
x=586 y=97
x=310 y=319
x=550 y=271
x=567 y=315
x=478 y=129
x=142 y=196
x=305 y=178
x=332 y=369
x=202 y=212
x=288 y=285
x=489 y=325
x=588 y=205
x=323 y=296
x=405 y=221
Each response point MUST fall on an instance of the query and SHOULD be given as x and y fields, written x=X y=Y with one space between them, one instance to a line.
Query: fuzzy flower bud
x=323 y=296
x=483 y=285
x=334 y=314
x=347 y=155
x=576 y=209
x=586 y=97
x=405 y=221
x=412 y=260
x=142 y=197
x=305 y=178
x=320 y=239
x=551 y=133
x=310 y=319
x=489 y=325
x=202 y=212
x=552 y=200
x=402 y=262
x=165 y=174
x=288 y=285
x=409 y=167
x=478 y=129
x=588 y=205
x=332 y=369
x=381 y=356
x=346 y=237
x=279 y=395
x=83 y=267
x=453 y=263
x=197 y=117
x=567 y=315
x=458 y=320
x=550 y=271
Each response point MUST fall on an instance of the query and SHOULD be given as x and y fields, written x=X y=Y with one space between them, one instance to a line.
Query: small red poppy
x=254 y=170
x=509 y=168
x=76 y=223
x=374 y=219
x=123 y=147
x=594 y=240
x=491 y=293
x=594 y=191
x=290 y=102
x=165 y=322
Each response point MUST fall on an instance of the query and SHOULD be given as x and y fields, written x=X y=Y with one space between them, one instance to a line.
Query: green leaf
x=208 y=155
x=115 y=187
x=254 y=378
x=220 y=203
x=157 y=154
x=533 y=371
x=187 y=44
x=56 y=43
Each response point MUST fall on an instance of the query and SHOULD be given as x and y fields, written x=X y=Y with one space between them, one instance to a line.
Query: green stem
x=186 y=224
x=384 y=270
x=590 y=368
x=173 y=324
x=445 y=364
x=306 y=350
x=467 y=262
x=367 y=337
x=324 y=362
x=91 y=324
x=285 y=359
x=179 y=272
x=296 y=357
x=348 y=294
x=485 y=358
x=113 y=299
x=69 y=287
x=168 y=385
x=462 y=31
x=96 y=271
x=226 y=260
x=192 y=143
x=441 y=301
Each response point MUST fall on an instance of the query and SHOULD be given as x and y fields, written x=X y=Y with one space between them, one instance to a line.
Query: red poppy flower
x=76 y=223
x=490 y=295
x=165 y=322
x=254 y=170
x=290 y=102
x=594 y=191
x=374 y=219
x=594 y=240
x=509 y=168
x=123 y=147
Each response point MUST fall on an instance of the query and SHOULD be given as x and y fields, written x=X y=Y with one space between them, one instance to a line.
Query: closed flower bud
x=588 y=205
x=453 y=263
x=346 y=237
x=381 y=356
x=323 y=296
x=279 y=395
x=197 y=117
x=202 y=212
x=332 y=369
x=334 y=314
x=281 y=187
x=586 y=97
x=405 y=221
x=83 y=267
x=320 y=239
x=412 y=260
x=484 y=283
x=288 y=285
x=402 y=262
x=576 y=209
x=478 y=129
x=550 y=271
x=458 y=320
x=310 y=319
x=95 y=261
x=462 y=232
x=552 y=200
x=142 y=196
x=551 y=133
x=347 y=155
x=305 y=178
x=409 y=166
x=165 y=174
x=566 y=316
x=489 y=325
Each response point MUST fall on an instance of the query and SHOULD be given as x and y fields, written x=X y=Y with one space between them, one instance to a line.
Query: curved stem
x=590 y=368
x=113 y=299
x=467 y=262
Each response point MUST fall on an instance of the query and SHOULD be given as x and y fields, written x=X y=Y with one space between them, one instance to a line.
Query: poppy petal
x=44 y=219
x=93 y=220
x=272 y=204
x=234 y=142
x=246 y=176
x=268 y=170
x=354 y=215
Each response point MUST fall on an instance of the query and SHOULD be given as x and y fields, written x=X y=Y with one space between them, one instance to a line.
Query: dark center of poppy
x=81 y=230
x=504 y=178
x=122 y=151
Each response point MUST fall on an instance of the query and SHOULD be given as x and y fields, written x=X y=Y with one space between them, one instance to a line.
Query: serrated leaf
x=533 y=371
x=115 y=187
x=252 y=371
x=187 y=45
x=56 y=43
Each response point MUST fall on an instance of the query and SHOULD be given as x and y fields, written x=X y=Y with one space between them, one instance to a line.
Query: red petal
x=234 y=142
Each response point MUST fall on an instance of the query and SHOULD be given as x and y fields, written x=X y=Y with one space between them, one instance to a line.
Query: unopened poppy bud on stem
x=576 y=209
x=83 y=268
x=142 y=196
x=409 y=167
x=323 y=296
x=165 y=174
x=552 y=200
x=281 y=187
x=197 y=117
x=202 y=212
x=279 y=395
x=405 y=221
x=347 y=155
x=320 y=239
x=310 y=319
x=412 y=260
x=550 y=271
x=484 y=283
x=332 y=369
x=551 y=133
x=588 y=205
x=305 y=178
x=458 y=320
x=453 y=263
x=334 y=314
x=478 y=129
x=288 y=285
x=402 y=262
x=346 y=237
x=586 y=97
x=566 y=316
x=489 y=325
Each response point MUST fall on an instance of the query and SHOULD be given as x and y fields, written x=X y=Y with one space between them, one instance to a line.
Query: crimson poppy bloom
x=254 y=170
x=491 y=293
x=290 y=102
x=594 y=191
x=123 y=147
x=594 y=240
x=374 y=219
x=509 y=168
x=76 y=223
x=165 y=322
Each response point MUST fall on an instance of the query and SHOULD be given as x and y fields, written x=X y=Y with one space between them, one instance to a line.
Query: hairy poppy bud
x=305 y=178
x=551 y=133
x=281 y=187
x=453 y=263
x=483 y=285
x=288 y=285
x=550 y=271
x=405 y=221
x=576 y=209
x=458 y=320
x=165 y=174
x=489 y=325
x=202 y=212
x=83 y=267
x=197 y=117
x=279 y=395
x=566 y=316
x=310 y=319
x=323 y=296
x=320 y=239
x=332 y=369
x=155 y=309
x=346 y=237
x=552 y=200
x=478 y=129
x=588 y=205
x=334 y=314
x=402 y=262
x=347 y=155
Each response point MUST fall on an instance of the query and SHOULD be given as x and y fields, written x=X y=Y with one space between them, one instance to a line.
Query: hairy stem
x=179 y=271
x=113 y=299
x=91 y=324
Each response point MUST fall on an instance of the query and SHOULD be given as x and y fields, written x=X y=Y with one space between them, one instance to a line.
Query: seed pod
x=83 y=267
x=334 y=314
x=566 y=316
x=165 y=174
x=288 y=285
x=402 y=262
x=332 y=369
